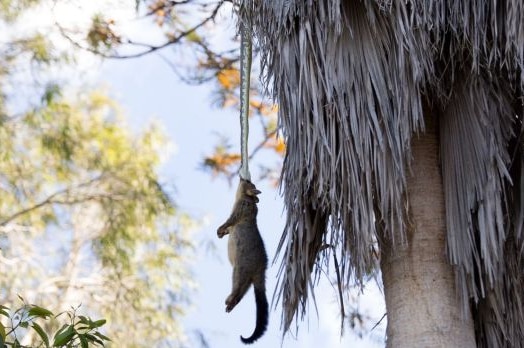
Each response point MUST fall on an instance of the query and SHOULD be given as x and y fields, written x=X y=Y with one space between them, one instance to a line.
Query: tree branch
x=54 y=199
x=262 y=143
x=150 y=48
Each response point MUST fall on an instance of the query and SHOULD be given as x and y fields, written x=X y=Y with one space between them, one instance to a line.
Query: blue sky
x=149 y=90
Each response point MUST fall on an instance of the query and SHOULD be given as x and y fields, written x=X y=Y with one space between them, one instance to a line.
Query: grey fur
x=247 y=255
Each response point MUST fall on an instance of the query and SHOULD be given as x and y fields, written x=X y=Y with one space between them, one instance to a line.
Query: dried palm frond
x=350 y=78
x=476 y=127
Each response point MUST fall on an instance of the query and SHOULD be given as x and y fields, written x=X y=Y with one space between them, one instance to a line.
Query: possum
x=247 y=255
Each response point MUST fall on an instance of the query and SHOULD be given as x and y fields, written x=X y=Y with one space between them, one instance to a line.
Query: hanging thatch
x=350 y=78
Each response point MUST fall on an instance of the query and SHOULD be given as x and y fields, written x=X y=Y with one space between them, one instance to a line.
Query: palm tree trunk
x=422 y=305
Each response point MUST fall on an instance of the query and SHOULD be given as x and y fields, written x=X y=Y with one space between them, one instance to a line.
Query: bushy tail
x=262 y=315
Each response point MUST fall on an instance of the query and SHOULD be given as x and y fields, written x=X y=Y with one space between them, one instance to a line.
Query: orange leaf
x=255 y=103
x=280 y=146
x=276 y=144
x=229 y=78
x=267 y=110
x=230 y=101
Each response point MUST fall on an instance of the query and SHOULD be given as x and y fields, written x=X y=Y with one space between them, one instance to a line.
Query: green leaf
x=4 y=311
x=24 y=324
x=41 y=333
x=193 y=37
x=104 y=337
x=98 y=323
x=64 y=335
x=83 y=341
x=94 y=339
x=52 y=91
x=40 y=312
x=2 y=334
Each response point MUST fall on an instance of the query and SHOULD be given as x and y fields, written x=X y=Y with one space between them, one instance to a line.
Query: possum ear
x=253 y=192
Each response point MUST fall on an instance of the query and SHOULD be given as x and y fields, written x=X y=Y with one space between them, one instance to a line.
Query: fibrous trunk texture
x=423 y=308
x=350 y=78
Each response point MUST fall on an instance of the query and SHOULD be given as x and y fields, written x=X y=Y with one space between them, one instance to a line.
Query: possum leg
x=241 y=283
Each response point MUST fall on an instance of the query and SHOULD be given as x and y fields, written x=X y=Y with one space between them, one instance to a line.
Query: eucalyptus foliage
x=71 y=330
x=84 y=219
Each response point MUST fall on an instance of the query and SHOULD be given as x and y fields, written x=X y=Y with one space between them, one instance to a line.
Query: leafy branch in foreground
x=76 y=331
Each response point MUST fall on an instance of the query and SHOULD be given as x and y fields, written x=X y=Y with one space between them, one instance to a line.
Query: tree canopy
x=84 y=217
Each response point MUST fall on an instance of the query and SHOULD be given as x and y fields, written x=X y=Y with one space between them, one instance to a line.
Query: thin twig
x=53 y=199
x=151 y=48
x=262 y=143
x=379 y=322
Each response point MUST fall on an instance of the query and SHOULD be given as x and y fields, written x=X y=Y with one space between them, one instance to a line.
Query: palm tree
x=403 y=122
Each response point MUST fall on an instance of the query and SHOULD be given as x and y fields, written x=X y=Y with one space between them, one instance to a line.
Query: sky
x=149 y=91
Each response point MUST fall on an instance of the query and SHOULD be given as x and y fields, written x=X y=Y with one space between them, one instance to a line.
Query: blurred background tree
x=84 y=218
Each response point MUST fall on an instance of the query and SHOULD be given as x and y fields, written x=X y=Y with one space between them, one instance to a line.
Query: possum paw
x=222 y=231
x=231 y=302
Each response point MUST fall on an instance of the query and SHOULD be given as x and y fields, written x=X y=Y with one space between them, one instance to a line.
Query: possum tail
x=262 y=315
